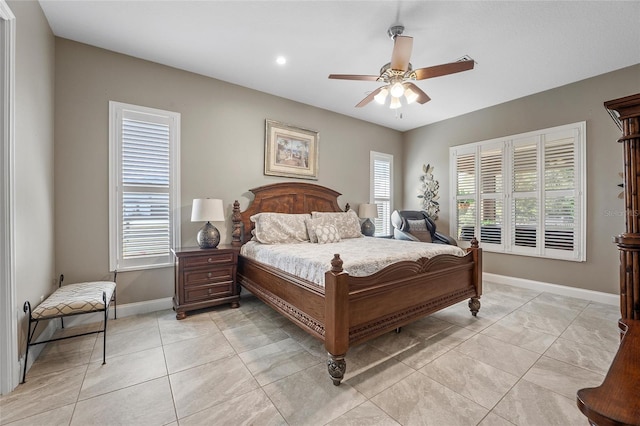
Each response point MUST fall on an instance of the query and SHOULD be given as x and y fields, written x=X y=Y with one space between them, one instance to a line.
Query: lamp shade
x=395 y=103
x=410 y=95
x=381 y=97
x=368 y=211
x=397 y=89
x=207 y=210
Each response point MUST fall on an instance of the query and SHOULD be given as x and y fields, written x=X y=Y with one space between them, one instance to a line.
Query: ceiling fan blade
x=401 y=54
x=369 y=97
x=354 y=77
x=423 y=98
x=444 y=69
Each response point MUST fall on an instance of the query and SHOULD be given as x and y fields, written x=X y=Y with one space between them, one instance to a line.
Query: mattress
x=360 y=256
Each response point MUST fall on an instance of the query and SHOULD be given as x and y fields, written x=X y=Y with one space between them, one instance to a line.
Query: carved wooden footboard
x=351 y=310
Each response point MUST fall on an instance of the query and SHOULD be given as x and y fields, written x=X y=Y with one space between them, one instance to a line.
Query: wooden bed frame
x=351 y=310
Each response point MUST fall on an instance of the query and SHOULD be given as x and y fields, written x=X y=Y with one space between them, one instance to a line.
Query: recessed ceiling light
x=281 y=60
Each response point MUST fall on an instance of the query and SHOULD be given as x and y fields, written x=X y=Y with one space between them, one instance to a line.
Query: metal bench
x=72 y=299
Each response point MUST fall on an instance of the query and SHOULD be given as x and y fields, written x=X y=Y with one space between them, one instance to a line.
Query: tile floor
x=520 y=362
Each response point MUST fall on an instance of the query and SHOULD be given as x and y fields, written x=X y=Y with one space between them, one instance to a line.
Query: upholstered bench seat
x=75 y=299
x=72 y=299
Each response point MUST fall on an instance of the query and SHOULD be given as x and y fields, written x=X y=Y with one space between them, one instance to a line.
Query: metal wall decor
x=429 y=192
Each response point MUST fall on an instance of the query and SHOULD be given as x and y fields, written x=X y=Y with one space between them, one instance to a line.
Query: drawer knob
x=209 y=274
x=210 y=260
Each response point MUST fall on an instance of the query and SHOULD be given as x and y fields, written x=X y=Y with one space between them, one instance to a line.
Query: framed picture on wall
x=290 y=151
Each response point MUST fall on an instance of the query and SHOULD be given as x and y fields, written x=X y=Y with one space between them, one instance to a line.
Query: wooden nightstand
x=204 y=278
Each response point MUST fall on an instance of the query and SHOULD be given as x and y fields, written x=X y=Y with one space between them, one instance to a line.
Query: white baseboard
x=126 y=310
x=35 y=351
x=563 y=290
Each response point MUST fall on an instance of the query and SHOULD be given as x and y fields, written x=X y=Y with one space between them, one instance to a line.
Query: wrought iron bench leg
x=104 y=333
x=30 y=333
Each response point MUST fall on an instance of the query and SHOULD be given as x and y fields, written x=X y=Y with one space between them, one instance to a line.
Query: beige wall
x=34 y=197
x=222 y=152
x=581 y=101
x=222 y=156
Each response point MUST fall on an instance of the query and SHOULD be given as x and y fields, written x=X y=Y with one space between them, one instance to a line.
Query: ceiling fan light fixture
x=397 y=90
x=410 y=95
x=397 y=76
x=381 y=97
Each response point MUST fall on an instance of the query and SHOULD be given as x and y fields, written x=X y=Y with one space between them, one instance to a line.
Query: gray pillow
x=418 y=225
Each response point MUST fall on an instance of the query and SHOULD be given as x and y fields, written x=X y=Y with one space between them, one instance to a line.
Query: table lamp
x=368 y=212
x=209 y=210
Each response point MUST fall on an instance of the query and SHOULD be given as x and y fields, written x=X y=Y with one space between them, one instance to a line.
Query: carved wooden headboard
x=284 y=197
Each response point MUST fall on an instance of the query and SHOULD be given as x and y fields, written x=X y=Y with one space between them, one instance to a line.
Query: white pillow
x=327 y=234
x=347 y=223
x=280 y=228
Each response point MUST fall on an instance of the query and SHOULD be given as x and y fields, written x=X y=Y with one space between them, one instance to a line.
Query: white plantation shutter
x=560 y=192
x=381 y=171
x=541 y=211
x=491 y=194
x=525 y=204
x=146 y=226
x=465 y=172
x=144 y=161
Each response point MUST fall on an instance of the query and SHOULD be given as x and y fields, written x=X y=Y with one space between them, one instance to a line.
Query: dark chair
x=415 y=225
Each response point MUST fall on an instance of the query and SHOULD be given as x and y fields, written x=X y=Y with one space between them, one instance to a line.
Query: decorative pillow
x=280 y=228
x=311 y=229
x=327 y=234
x=417 y=225
x=347 y=223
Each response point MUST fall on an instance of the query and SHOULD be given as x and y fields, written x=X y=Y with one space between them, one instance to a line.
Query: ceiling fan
x=399 y=74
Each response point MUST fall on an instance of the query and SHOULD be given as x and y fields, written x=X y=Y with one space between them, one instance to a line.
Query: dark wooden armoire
x=617 y=400
x=627 y=111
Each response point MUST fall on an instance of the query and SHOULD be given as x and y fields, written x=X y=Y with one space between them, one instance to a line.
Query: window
x=381 y=178
x=144 y=220
x=523 y=194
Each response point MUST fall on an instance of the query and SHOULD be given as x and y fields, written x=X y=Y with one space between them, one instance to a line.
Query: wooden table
x=617 y=400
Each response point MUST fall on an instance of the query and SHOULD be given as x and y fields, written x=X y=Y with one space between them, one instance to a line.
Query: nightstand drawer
x=208 y=276
x=213 y=259
x=194 y=294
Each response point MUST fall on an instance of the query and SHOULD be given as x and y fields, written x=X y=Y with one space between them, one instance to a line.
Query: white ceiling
x=520 y=47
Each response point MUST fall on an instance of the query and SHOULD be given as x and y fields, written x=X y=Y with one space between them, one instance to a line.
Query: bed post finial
x=474 y=243
x=236 y=234
x=336 y=263
x=347 y=207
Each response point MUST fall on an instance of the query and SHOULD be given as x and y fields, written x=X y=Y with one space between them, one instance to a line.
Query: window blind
x=524 y=208
x=559 y=182
x=146 y=225
x=381 y=184
x=541 y=211
x=466 y=196
x=491 y=220
x=144 y=190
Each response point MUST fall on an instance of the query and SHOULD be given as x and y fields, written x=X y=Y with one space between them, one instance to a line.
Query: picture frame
x=290 y=151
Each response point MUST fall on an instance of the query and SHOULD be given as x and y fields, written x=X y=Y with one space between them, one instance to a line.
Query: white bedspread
x=361 y=256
